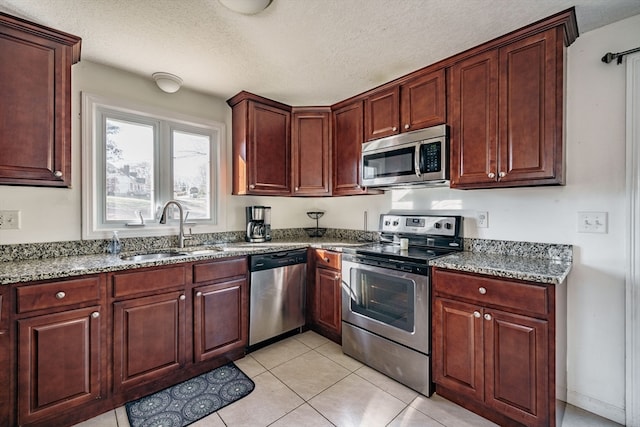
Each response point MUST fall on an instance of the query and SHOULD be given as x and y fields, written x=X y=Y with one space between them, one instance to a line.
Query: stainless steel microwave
x=418 y=158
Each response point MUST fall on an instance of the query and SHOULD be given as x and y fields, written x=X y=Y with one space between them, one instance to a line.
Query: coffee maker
x=258 y=223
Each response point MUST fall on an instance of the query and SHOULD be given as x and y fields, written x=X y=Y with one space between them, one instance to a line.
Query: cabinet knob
x=95 y=314
x=394 y=128
x=487 y=316
x=198 y=294
x=57 y=174
x=407 y=126
x=60 y=295
x=251 y=186
x=476 y=314
x=182 y=298
x=357 y=185
x=337 y=276
x=326 y=259
x=502 y=174
x=482 y=290
x=297 y=188
x=491 y=175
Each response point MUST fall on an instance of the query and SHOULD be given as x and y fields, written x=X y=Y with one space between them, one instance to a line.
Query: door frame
x=632 y=410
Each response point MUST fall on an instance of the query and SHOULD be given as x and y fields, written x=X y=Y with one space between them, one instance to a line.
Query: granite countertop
x=539 y=270
x=68 y=266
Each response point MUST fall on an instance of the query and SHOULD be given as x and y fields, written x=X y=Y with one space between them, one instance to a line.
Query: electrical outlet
x=592 y=222
x=483 y=219
x=9 y=220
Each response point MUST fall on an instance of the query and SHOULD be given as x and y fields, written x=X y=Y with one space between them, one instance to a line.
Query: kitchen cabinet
x=506 y=114
x=149 y=321
x=416 y=102
x=347 y=149
x=326 y=307
x=35 y=82
x=311 y=151
x=7 y=393
x=261 y=145
x=494 y=346
x=60 y=347
x=220 y=319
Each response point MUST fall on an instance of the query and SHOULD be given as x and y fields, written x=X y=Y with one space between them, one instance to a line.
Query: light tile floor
x=306 y=381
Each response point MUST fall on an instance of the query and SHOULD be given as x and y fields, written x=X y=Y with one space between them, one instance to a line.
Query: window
x=136 y=159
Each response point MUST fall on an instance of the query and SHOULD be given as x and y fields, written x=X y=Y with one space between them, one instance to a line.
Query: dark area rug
x=191 y=400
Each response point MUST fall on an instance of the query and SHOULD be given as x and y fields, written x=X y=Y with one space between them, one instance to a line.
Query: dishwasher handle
x=277 y=259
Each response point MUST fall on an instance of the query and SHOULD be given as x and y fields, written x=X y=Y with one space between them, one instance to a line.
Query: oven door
x=390 y=303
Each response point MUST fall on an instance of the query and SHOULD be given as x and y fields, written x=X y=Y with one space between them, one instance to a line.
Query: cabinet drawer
x=58 y=294
x=328 y=259
x=148 y=280
x=210 y=271
x=490 y=291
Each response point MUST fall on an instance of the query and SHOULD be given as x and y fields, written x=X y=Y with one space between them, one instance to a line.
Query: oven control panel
x=418 y=224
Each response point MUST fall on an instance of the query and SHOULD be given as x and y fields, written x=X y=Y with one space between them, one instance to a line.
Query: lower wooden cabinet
x=219 y=318
x=59 y=362
x=85 y=345
x=494 y=348
x=325 y=294
x=148 y=338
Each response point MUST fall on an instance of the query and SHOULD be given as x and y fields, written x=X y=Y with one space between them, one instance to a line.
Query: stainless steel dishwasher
x=277 y=294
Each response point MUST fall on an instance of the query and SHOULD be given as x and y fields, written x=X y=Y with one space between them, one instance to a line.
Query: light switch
x=592 y=222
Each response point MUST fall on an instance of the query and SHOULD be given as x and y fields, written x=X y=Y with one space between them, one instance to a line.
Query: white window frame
x=93 y=224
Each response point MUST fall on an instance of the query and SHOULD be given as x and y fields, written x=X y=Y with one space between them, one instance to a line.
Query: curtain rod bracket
x=611 y=56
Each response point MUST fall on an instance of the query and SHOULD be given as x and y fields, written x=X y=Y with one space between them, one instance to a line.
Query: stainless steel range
x=386 y=295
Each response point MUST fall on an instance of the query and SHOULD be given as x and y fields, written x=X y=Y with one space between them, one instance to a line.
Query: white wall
x=595 y=182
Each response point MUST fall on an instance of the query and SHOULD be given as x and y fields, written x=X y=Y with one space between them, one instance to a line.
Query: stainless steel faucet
x=163 y=220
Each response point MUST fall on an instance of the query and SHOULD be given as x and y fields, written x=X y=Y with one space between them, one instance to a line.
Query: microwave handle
x=417 y=167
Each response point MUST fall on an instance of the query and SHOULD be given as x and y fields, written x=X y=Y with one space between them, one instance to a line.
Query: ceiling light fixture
x=246 y=7
x=167 y=82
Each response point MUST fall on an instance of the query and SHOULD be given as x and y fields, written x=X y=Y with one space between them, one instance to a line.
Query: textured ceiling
x=301 y=52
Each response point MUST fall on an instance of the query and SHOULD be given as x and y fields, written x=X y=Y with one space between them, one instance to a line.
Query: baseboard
x=598 y=407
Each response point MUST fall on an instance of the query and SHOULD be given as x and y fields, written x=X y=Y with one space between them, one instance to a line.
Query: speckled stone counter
x=28 y=270
x=533 y=262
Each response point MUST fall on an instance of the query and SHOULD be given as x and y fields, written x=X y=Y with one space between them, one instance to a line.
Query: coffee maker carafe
x=258 y=223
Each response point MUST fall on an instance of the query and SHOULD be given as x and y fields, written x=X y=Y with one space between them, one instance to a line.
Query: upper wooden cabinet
x=261 y=145
x=347 y=149
x=416 y=103
x=506 y=109
x=35 y=82
x=311 y=151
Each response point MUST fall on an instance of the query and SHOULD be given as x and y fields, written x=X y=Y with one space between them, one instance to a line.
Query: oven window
x=391 y=163
x=383 y=297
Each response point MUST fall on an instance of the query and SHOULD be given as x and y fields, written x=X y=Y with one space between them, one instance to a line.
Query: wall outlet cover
x=483 y=219
x=592 y=222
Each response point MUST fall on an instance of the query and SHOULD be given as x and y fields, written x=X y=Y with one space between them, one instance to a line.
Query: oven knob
x=387 y=222
x=437 y=225
x=448 y=226
x=395 y=223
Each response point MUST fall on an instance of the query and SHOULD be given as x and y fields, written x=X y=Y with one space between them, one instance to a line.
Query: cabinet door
x=59 y=362
x=219 y=318
x=35 y=82
x=458 y=355
x=474 y=120
x=382 y=113
x=423 y=101
x=531 y=111
x=517 y=366
x=149 y=338
x=311 y=156
x=347 y=149
x=268 y=150
x=327 y=304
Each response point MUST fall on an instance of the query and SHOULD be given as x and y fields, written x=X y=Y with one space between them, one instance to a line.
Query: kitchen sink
x=152 y=256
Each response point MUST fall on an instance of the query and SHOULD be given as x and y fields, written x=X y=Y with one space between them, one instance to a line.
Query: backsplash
x=520 y=249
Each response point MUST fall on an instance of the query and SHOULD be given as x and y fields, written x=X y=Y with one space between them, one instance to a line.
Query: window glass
x=129 y=170
x=192 y=173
